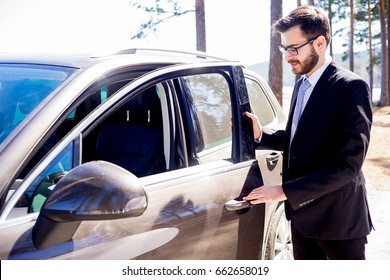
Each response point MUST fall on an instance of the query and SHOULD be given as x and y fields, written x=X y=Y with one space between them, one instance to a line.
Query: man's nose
x=288 y=56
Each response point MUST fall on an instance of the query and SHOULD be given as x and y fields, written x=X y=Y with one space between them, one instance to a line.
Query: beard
x=307 y=64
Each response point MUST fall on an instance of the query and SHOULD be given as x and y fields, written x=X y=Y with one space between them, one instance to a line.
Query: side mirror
x=96 y=190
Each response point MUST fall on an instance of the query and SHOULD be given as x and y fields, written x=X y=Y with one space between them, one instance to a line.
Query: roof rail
x=198 y=54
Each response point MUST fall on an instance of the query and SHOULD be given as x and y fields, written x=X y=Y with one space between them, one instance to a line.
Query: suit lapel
x=322 y=85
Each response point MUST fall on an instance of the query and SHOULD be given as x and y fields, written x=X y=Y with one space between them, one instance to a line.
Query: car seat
x=132 y=137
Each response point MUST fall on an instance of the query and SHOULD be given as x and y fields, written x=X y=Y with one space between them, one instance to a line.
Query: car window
x=42 y=184
x=92 y=100
x=211 y=113
x=260 y=104
x=22 y=88
x=33 y=198
x=131 y=136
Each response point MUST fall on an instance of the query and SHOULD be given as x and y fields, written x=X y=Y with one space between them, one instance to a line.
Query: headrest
x=143 y=108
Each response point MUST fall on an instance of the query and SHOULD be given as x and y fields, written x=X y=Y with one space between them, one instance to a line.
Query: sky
x=237 y=30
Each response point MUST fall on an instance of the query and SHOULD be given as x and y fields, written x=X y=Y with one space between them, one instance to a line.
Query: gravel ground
x=377 y=172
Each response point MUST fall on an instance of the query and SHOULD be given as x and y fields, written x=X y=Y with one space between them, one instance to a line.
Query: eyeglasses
x=294 y=50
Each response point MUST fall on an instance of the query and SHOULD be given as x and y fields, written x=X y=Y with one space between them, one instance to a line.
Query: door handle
x=237 y=204
x=272 y=159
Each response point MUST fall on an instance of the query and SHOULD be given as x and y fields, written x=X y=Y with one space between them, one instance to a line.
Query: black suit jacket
x=322 y=177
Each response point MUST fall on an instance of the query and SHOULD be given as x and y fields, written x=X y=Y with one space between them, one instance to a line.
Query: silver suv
x=141 y=154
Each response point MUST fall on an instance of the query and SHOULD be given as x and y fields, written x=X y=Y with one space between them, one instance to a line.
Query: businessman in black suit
x=324 y=145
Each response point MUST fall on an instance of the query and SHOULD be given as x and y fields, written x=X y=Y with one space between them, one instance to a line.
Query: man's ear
x=320 y=43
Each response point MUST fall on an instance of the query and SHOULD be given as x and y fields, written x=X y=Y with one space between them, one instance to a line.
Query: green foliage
x=338 y=11
x=158 y=11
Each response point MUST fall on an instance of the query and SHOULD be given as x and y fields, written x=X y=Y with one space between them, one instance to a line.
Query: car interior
x=132 y=137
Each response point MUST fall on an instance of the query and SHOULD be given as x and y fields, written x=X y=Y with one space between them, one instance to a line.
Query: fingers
x=266 y=194
x=257 y=129
x=255 y=197
x=253 y=117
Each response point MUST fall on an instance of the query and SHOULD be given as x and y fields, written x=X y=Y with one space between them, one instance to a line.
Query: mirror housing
x=96 y=190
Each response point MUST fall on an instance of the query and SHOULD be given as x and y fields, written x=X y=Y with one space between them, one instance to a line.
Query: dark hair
x=312 y=21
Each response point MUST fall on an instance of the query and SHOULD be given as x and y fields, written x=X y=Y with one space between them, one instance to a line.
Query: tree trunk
x=384 y=79
x=370 y=71
x=351 y=35
x=200 y=25
x=275 y=71
x=386 y=99
x=330 y=15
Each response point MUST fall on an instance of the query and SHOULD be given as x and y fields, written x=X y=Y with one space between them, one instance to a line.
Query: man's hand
x=265 y=194
x=257 y=129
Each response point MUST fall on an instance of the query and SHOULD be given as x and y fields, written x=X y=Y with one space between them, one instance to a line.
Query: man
x=324 y=145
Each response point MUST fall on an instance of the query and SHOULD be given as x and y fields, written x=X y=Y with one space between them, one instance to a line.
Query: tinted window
x=38 y=191
x=93 y=99
x=212 y=108
x=22 y=88
x=132 y=136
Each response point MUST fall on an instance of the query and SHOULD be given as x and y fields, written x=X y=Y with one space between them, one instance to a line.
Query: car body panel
x=199 y=196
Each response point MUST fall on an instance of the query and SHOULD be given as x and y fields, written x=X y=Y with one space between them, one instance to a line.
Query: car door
x=265 y=106
x=180 y=212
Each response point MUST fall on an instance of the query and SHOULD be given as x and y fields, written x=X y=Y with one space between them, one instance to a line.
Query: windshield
x=22 y=88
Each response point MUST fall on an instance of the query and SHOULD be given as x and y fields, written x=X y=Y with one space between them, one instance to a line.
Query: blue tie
x=299 y=106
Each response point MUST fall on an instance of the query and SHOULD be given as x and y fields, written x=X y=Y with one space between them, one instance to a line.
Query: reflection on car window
x=259 y=102
x=212 y=113
x=36 y=194
x=22 y=88
x=91 y=101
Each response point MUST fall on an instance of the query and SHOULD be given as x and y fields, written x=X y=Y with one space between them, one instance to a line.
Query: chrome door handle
x=237 y=204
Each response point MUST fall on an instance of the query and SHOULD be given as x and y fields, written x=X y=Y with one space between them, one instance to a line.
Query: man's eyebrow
x=290 y=46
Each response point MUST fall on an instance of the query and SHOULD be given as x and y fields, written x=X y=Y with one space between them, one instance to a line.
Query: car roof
x=134 y=55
